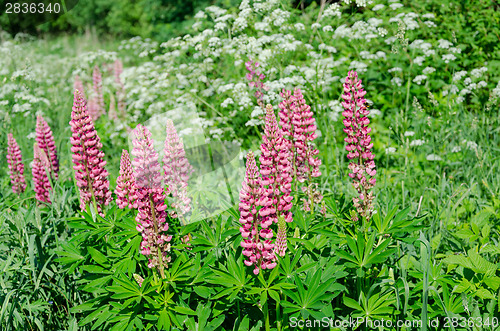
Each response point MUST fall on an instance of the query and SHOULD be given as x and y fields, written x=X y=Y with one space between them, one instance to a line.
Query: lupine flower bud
x=257 y=244
x=359 y=144
x=78 y=85
x=39 y=170
x=138 y=279
x=45 y=141
x=99 y=98
x=280 y=246
x=152 y=216
x=276 y=172
x=255 y=81
x=125 y=184
x=88 y=158
x=186 y=240
x=16 y=166
x=177 y=170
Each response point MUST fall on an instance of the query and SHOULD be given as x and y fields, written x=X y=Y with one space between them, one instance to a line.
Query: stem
x=238 y=306
x=266 y=316
x=278 y=316
x=155 y=223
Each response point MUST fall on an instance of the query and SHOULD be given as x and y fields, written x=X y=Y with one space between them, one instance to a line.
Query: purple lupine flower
x=39 y=170
x=16 y=166
x=255 y=78
x=257 y=244
x=281 y=244
x=120 y=91
x=125 y=184
x=152 y=216
x=177 y=170
x=99 y=98
x=45 y=141
x=276 y=171
x=88 y=158
x=78 y=85
x=359 y=144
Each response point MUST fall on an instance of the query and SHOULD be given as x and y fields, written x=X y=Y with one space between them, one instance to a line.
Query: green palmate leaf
x=464 y=286
x=484 y=294
x=184 y=310
x=493 y=282
x=352 y=303
x=480 y=264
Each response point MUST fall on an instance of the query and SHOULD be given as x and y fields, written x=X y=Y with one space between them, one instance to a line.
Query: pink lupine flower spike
x=177 y=170
x=299 y=129
x=152 y=216
x=125 y=184
x=46 y=142
x=276 y=171
x=40 y=167
x=359 y=144
x=257 y=244
x=88 y=158
x=16 y=166
x=98 y=95
x=255 y=79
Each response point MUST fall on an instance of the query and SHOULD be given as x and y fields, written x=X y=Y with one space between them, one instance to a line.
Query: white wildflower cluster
x=332 y=10
x=448 y=57
x=419 y=79
x=428 y=70
x=396 y=81
x=479 y=72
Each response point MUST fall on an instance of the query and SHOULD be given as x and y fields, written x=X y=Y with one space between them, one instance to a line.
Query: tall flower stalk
x=88 y=158
x=359 y=145
x=177 y=170
x=257 y=244
x=40 y=167
x=125 y=184
x=16 y=166
x=275 y=170
x=46 y=142
x=152 y=216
